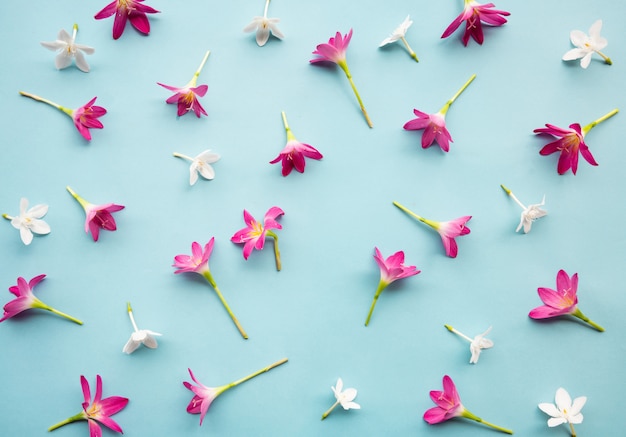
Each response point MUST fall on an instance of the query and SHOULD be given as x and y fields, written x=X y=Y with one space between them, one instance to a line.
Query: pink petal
x=86 y=391
x=112 y=405
x=94 y=428
x=435 y=415
x=542 y=312
x=119 y=23
x=107 y=11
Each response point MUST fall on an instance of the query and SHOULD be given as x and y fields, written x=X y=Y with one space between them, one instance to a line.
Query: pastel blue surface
x=312 y=312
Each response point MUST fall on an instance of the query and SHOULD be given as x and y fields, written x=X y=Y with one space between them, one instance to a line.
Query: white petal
x=206 y=171
x=578 y=405
x=275 y=31
x=351 y=406
x=150 y=342
x=87 y=49
x=556 y=421
x=54 y=45
x=572 y=54
x=208 y=156
x=578 y=418
x=63 y=60
x=475 y=354
x=262 y=35
x=339 y=386
x=578 y=38
x=26 y=235
x=38 y=211
x=65 y=37
x=584 y=62
x=348 y=395
x=23 y=206
x=130 y=346
x=563 y=399
x=39 y=227
x=594 y=30
x=549 y=409
x=80 y=61
x=386 y=41
x=253 y=24
x=193 y=174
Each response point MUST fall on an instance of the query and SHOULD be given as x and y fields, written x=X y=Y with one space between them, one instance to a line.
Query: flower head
x=187 y=97
x=29 y=221
x=68 y=49
x=530 y=213
x=197 y=262
x=201 y=164
x=586 y=46
x=399 y=34
x=124 y=10
x=474 y=14
x=564 y=411
x=254 y=234
x=264 y=26
x=292 y=156
x=345 y=398
x=97 y=216
x=139 y=336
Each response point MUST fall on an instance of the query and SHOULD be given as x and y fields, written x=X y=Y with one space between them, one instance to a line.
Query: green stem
x=571 y=427
x=578 y=313
x=132 y=318
x=607 y=60
x=460 y=334
x=327 y=412
x=207 y=275
x=7 y=216
x=257 y=373
x=472 y=416
x=77 y=417
x=344 y=66
x=290 y=135
x=75 y=30
x=510 y=193
x=408 y=47
x=379 y=289
x=43 y=306
x=194 y=79
x=80 y=200
x=593 y=124
x=63 y=109
x=276 y=250
x=433 y=224
x=454 y=97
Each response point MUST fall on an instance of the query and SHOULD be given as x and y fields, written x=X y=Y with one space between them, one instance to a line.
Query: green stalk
x=207 y=275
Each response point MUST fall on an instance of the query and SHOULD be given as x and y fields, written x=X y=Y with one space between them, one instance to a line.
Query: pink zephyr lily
x=253 y=236
x=124 y=10
x=97 y=216
x=292 y=156
x=187 y=97
x=473 y=13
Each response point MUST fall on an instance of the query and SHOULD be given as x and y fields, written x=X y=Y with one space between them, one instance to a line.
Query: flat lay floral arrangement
x=249 y=193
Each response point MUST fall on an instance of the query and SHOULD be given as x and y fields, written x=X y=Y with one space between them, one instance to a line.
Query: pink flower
x=292 y=156
x=97 y=216
x=124 y=10
x=473 y=13
x=254 y=234
x=187 y=96
x=562 y=301
x=100 y=410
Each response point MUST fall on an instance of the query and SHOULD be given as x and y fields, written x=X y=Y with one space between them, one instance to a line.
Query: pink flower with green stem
x=98 y=411
x=391 y=269
x=335 y=52
x=204 y=396
x=434 y=125
x=254 y=234
x=570 y=142
x=473 y=13
x=448 y=230
x=25 y=300
x=295 y=152
x=562 y=301
x=187 y=97
x=127 y=10
x=84 y=117
x=449 y=406
x=97 y=216
x=198 y=262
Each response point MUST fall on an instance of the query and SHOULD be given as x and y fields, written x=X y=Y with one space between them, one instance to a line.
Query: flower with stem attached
x=292 y=156
x=264 y=26
x=334 y=51
x=125 y=10
x=530 y=213
x=254 y=234
x=449 y=406
x=570 y=142
x=198 y=262
x=434 y=125
x=399 y=34
x=29 y=221
x=345 y=398
x=97 y=216
x=68 y=49
x=204 y=396
x=564 y=411
x=201 y=164
x=391 y=269
x=473 y=13
x=477 y=344
x=84 y=117
x=586 y=46
x=187 y=96
x=139 y=336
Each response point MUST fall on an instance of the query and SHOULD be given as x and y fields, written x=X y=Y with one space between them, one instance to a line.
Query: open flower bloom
x=97 y=216
x=124 y=10
x=530 y=213
x=98 y=411
x=570 y=142
x=399 y=34
x=68 y=49
x=29 y=221
x=25 y=300
x=449 y=406
x=84 y=117
x=434 y=125
x=264 y=26
x=562 y=301
x=564 y=411
x=391 y=269
x=335 y=52
x=254 y=234
x=198 y=262
x=292 y=156
x=201 y=164
x=187 y=97
x=139 y=336
x=474 y=14
x=477 y=344
x=204 y=396
x=345 y=398
x=448 y=231
x=586 y=46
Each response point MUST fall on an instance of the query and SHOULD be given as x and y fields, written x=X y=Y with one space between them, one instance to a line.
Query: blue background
x=312 y=312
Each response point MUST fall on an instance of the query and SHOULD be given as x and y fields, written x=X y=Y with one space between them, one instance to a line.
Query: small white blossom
x=529 y=214
x=344 y=398
x=477 y=344
x=139 y=336
x=263 y=26
x=586 y=45
x=564 y=411
x=68 y=49
x=201 y=164
x=29 y=221
x=399 y=34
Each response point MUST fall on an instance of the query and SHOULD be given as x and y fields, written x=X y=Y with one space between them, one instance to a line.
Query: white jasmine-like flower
x=564 y=411
x=399 y=34
x=529 y=214
x=263 y=26
x=139 y=336
x=477 y=344
x=68 y=49
x=586 y=45
x=344 y=398
x=29 y=221
x=201 y=164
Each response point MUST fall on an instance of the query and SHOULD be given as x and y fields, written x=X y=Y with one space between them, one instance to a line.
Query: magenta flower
x=562 y=301
x=84 y=117
x=124 y=10
x=391 y=269
x=253 y=236
x=187 y=96
x=570 y=142
x=449 y=406
x=100 y=410
x=25 y=300
x=292 y=156
x=335 y=52
x=198 y=262
x=204 y=396
x=97 y=216
x=473 y=13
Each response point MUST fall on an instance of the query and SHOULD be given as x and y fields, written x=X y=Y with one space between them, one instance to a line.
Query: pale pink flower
x=473 y=13
x=292 y=156
x=124 y=10
x=187 y=97
x=97 y=216
x=254 y=234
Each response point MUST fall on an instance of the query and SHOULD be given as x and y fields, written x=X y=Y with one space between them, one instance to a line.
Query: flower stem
x=578 y=313
x=593 y=124
x=607 y=60
x=290 y=135
x=379 y=289
x=454 y=97
x=194 y=79
x=257 y=373
x=39 y=304
x=327 y=412
x=344 y=66
x=207 y=275
x=132 y=319
x=433 y=224
x=75 y=30
x=571 y=427
x=460 y=334
x=80 y=200
x=180 y=155
x=267 y=5
x=49 y=102
x=510 y=193
x=472 y=416
x=276 y=250
x=77 y=417
x=408 y=47
x=7 y=216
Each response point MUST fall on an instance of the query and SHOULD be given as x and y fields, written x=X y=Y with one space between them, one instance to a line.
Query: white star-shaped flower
x=564 y=411
x=586 y=45
x=529 y=214
x=29 y=221
x=68 y=49
x=477 y=344
x=264 y=26
x=344 y=398
x=139 y=336
x=201 y=164
x=399 y=34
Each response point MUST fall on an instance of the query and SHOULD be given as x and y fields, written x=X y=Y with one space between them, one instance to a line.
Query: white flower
x=200 y=164
x=477 y=344
x=139 y=336
x=564 y=411
x=344 y=398
x=263 y=26
x=28 y=222
x=67 y=49
x=529 y=214
x=399 y=34
x=587 y=45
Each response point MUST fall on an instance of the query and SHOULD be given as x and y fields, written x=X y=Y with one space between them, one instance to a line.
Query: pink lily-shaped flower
x=254 y=234
x=25 y=300
x=198 y=262
x=292 y=156
x=124 y=10
x=391 y=269
x=98 y=411
x=448 y=230
x=84 y=117
x=204 y=396
x=570 y=142
x=562 y=301
x=434 y=125
x=97 y=216
x=473 y=13
x=187 y=96
x=449 y=406
x=335 y=52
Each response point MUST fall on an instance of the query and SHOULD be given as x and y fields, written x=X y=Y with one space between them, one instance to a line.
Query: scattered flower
x=335 y=52
x=139 y=336
x=449 y=406
x=564 y=411
x=473 y=13
x=187 y=96
x=68 y=49
x=587 y=45
x=344 y=398
x=124 y=10
x=204 y=396
x=562 y=301
x=254 y=234
x=391 y=269
x=201 y=164
x=263 y=26
x=97 y=216
x=447 y=230
x=399 y=34
x=530 y=213
x=29 y=221
x=292 y=156
x=477 y=344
